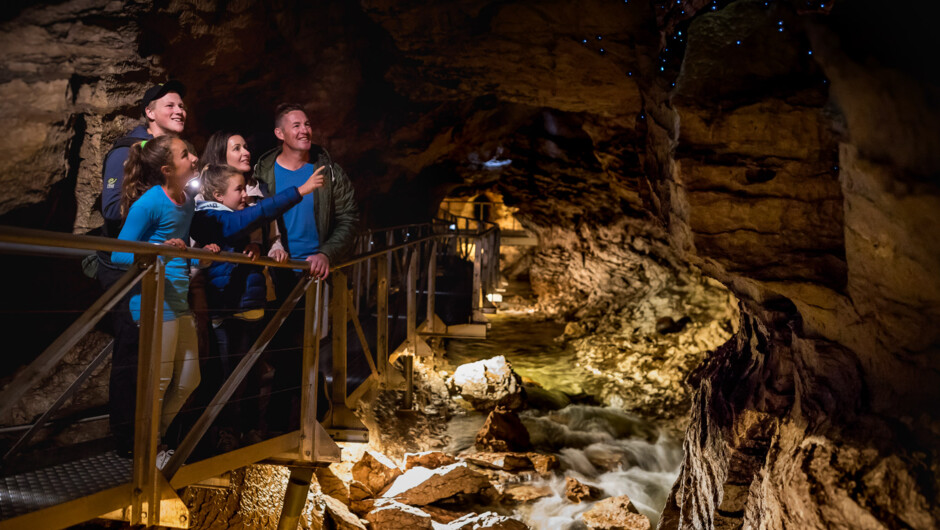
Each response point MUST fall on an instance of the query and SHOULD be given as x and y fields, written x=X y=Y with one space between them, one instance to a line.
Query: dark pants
x=233 y=338
x=122 y=386
x=285 y=355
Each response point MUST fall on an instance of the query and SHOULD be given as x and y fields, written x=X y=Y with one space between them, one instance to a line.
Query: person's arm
x=230 y=225
x=138 y=224
x=112 y=179
x=345 y=221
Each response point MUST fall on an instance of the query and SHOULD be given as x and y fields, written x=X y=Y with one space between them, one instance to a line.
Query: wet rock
x=543 y=464
x=391 y=515
x=419 y=486
x=331 y=485
x=428 y=459
x=525 y=493
x=503 y=461
x=503 y=431
x=375 y=471
x=342 y=518
x=576 y=491
x=615 y=513
x=488 y=520
x=489 y=383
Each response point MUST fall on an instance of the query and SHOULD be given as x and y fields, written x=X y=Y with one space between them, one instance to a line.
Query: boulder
x=395 y=516
x=331 y=485
x=502 y=461
x=419 y=486
x=428 y=459
x=489 y=383
x=577 y=491
x=503 y=432
x=524 y=493
x=375 y=471
x=342 y=518
x=359 y=491
x=615 y=513
x=361 y=508
x=543 y=464
x=488 y=520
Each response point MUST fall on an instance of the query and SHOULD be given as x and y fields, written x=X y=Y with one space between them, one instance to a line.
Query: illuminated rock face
x=804 y=183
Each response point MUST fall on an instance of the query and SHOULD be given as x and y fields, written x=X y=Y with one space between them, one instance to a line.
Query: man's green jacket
x=337 y=215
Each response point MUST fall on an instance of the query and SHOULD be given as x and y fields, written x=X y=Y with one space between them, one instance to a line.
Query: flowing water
x=601 y=446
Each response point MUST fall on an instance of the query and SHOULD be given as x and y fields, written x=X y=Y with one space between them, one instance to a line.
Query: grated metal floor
x=28 y=492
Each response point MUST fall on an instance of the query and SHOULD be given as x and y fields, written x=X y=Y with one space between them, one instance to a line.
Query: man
x=321 y=230
x=163 y=114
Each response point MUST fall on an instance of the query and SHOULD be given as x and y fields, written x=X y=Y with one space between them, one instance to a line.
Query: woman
x=226 y=148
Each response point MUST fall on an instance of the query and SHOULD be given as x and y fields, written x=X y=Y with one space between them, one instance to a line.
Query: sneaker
x=163 y=457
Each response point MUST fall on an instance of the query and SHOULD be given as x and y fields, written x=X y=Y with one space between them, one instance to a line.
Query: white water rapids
x=604 y=447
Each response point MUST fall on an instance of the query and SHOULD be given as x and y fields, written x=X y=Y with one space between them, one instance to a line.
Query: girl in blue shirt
x=159 y=210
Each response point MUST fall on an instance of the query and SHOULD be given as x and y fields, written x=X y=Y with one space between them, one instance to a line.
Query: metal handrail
x=148 y=270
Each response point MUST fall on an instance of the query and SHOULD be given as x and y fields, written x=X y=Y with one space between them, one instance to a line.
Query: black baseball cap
x=161 y=89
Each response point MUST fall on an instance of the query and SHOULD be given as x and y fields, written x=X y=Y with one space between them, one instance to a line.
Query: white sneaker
x=163 y=457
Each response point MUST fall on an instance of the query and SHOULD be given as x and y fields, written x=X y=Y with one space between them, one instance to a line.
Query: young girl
x=159 y=211
x=237 y=292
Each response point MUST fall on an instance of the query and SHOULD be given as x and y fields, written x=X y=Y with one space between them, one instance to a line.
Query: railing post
x=411 y=323
x=477 y=293
x=309 y=371
x=381 y=315
x=338 y=307
x=432 y=285
x=146 y=495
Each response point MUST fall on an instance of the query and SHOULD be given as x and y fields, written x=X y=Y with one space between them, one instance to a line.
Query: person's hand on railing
x=213 y=248
x=176 y=242
x=319 y=266
x=278 y=254
x=253 y=250
x=316 y=180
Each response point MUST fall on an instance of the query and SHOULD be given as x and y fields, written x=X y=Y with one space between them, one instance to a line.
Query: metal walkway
x=374 y=300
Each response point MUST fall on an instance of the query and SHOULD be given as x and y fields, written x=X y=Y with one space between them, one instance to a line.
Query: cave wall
x=792 y=163
x=671 y=157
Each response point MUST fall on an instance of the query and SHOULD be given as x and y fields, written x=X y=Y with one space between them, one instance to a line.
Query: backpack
x=90 y=262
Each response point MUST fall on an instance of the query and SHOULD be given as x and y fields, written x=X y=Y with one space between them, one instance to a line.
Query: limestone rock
x=543 y=464
x=576 y=491
x=420 y=486
x=362 y=507
x=488 y=520
x=615 y=513
x=428 y=459
x=396 y=516
x=341 y=516
x=503 y=461
x=489 y=383
x=375 y=471
x=359 y=491
x=442 y=515
x=331 y=485
x=503 y=431
x=524 y=493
